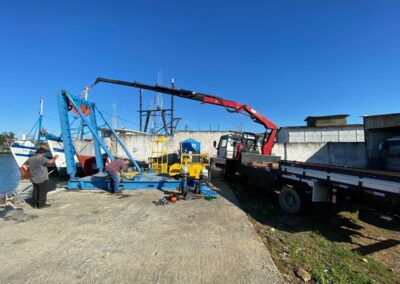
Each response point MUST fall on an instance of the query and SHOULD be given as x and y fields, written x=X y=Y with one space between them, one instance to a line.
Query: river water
x=9 y=173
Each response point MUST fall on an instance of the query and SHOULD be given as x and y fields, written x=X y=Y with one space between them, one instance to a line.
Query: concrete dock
x=94 y=236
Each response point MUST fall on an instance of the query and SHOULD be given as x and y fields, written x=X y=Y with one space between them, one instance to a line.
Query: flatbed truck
x=300 y=183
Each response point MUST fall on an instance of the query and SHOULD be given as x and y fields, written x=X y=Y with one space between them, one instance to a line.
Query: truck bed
x=377 y=182
x=395 y=176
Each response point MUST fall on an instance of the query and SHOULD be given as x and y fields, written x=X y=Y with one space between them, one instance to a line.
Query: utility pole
x=115 y=117
x=172 y=108
x=140 y=108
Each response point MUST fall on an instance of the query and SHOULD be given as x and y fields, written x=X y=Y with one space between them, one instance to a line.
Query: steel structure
x=87 y=112
x=231 y=106
x=167 y=127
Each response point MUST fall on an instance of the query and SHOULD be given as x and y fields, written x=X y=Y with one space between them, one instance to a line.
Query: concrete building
x=337 y=153
x=325 y=139
x=327 y=120
x=322 y=129
x=347 y=154
x=306 y=134
x=140 y=143
x=379 y=128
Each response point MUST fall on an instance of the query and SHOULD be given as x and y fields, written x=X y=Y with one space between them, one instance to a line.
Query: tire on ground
x=290 y=200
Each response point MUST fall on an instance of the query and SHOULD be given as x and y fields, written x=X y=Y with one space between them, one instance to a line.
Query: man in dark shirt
x=118 y=165
x=37 y=166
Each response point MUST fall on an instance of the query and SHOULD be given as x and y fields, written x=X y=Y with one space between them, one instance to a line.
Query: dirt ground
x=90 y=236
x=95 y=236
x=346 y=251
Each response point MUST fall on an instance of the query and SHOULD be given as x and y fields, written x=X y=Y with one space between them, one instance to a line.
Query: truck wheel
x=290 y=200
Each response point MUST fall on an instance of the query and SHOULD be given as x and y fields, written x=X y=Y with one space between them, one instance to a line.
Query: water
x=9 y=173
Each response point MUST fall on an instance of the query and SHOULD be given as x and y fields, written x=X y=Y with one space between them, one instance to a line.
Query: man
x=118 y=165
x=37 y=166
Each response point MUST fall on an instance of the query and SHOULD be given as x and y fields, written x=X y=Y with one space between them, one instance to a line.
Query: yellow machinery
x=159 y=155
x=194 y=163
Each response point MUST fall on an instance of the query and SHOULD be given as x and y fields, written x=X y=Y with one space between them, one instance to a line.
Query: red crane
x=231 y=106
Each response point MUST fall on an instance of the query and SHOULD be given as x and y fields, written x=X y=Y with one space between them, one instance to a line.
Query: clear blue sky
x=287 y=59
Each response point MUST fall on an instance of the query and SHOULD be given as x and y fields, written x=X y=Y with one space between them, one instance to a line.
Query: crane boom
x=208 y=99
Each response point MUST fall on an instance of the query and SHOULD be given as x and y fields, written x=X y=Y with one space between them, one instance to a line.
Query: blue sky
x=287 y=59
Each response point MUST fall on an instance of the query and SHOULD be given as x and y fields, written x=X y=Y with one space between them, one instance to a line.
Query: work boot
x=44 y=206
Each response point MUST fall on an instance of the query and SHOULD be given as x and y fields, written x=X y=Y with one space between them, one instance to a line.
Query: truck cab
x=228 y=144
x=391 y=153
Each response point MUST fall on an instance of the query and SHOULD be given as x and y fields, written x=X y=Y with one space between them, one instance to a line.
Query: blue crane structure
x=87 y=111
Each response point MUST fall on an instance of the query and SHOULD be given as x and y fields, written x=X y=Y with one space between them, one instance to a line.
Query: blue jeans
x=114 y=182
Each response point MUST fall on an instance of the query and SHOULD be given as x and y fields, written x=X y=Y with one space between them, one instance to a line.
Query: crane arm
x=208 y=99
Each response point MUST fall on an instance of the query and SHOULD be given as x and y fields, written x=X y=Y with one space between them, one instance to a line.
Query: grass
x=330 y=262
x=311 y=244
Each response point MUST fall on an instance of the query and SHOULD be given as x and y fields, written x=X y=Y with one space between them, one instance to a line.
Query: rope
x=133 y=123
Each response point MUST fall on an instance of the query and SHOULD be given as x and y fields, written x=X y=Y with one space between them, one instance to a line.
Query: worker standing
x=37 y=166
x=118 y=165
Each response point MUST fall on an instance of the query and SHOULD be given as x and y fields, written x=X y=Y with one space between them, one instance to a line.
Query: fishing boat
x=85 y=152
x=56 y=147
x=21 y=151
x=27 y=146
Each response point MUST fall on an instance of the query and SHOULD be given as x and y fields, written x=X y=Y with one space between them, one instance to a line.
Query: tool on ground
x=173 y=197
x=162 y=201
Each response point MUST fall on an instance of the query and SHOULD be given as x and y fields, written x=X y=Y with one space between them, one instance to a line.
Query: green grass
x=311 y=244
x=329 y=262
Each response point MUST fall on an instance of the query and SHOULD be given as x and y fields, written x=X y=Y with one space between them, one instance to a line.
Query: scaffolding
x=159 y=155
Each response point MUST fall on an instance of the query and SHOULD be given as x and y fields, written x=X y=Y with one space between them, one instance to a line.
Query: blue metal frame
x=139 y=169
x=100 y=181
x=146 y=181
x=96 y=144
x=66 y=135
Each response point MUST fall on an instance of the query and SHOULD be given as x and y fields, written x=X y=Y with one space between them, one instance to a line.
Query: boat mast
x=40 y=121
x=84 y=95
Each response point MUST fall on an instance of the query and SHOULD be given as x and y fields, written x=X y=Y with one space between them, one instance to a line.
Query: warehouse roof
x=327 y=116
x=319 y=128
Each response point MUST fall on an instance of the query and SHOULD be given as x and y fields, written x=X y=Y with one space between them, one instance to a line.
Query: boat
x=56 y=147
x=84 y=150
x=25 y=147
x=21 y=151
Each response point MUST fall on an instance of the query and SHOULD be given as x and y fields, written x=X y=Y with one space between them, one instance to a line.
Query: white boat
x=26 y=147
x=56 y=147
x=21 y=151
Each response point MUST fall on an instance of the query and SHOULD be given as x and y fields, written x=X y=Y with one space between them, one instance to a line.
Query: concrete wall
x=382 y=121
x=140 y=144
x=321 y=134
x=343 y=154
x=349 y=154
x=378 y=128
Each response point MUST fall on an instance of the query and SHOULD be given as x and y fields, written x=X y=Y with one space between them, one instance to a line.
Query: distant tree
x=5 y=136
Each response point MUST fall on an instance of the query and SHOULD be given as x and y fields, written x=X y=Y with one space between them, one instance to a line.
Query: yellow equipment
x=193 y=162
x=130 y=175
x=159 y=155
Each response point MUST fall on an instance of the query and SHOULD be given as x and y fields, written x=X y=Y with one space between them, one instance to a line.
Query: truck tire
x=290 y=200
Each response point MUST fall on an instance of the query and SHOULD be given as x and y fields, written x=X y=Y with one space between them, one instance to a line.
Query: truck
x=300 y=184
x=390 y=149
x=248 y=156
